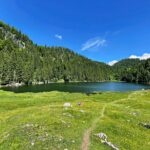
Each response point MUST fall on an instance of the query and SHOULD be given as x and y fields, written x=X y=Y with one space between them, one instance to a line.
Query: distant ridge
x=132 y=70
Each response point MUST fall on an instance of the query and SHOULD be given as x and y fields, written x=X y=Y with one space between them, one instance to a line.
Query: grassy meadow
x=39 y=121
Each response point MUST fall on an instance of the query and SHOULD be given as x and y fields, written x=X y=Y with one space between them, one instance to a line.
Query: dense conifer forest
x=22 y=61
x=132 y=70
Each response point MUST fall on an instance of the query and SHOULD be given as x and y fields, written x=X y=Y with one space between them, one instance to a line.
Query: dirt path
x=86 y=137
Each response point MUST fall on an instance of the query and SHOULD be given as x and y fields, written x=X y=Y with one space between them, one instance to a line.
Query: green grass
x=38 y=121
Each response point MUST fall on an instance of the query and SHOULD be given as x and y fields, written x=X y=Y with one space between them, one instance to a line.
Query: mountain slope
x=23 y=61
x=126 y=63
x=132 y=70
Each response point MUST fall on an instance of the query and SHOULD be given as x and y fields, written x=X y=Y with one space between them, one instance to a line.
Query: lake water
x=79 y=87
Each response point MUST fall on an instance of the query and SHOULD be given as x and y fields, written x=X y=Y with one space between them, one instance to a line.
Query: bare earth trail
x=86 y=136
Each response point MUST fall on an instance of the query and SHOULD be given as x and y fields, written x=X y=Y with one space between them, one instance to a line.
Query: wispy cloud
x=112 y=33
x=58 y=36
x=143 y=57
x=111 y=63
x=117 y=32
x=93 y=43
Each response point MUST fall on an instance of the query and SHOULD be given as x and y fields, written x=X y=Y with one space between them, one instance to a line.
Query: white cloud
x=133 y=57
x=58 y=36
x=111 y=63
x=93 y=43
x=143 y=57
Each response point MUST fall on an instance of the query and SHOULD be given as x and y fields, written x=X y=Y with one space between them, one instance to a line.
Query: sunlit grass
x=39 y=121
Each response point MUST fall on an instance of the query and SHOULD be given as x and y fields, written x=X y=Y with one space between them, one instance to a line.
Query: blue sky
x=102 y=30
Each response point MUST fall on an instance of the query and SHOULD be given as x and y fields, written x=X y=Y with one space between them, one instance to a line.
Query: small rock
x=73 y=141
x=104 y=140
x=82 y=111
x=102 y=136
x=67 y=105
x=146 y=125
x=134 y=113
x=29 y=125
x=80 y=103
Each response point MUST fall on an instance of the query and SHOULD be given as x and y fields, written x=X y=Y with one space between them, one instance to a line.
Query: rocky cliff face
x=6 y=34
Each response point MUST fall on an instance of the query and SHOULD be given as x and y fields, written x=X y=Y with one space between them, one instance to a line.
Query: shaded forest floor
x=40 y=121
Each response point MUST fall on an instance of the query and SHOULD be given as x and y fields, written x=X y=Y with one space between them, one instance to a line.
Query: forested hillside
x=21 y=61
x=132 y=70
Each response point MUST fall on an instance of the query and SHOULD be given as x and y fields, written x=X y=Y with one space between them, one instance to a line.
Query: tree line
x=132 y=70
x=21 y=61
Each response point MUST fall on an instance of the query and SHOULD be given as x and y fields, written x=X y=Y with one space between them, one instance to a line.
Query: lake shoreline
x=16 y=84
x=43 y=83
x=78 y=87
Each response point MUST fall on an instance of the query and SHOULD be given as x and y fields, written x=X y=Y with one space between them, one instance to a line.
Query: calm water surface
x=79 y=87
